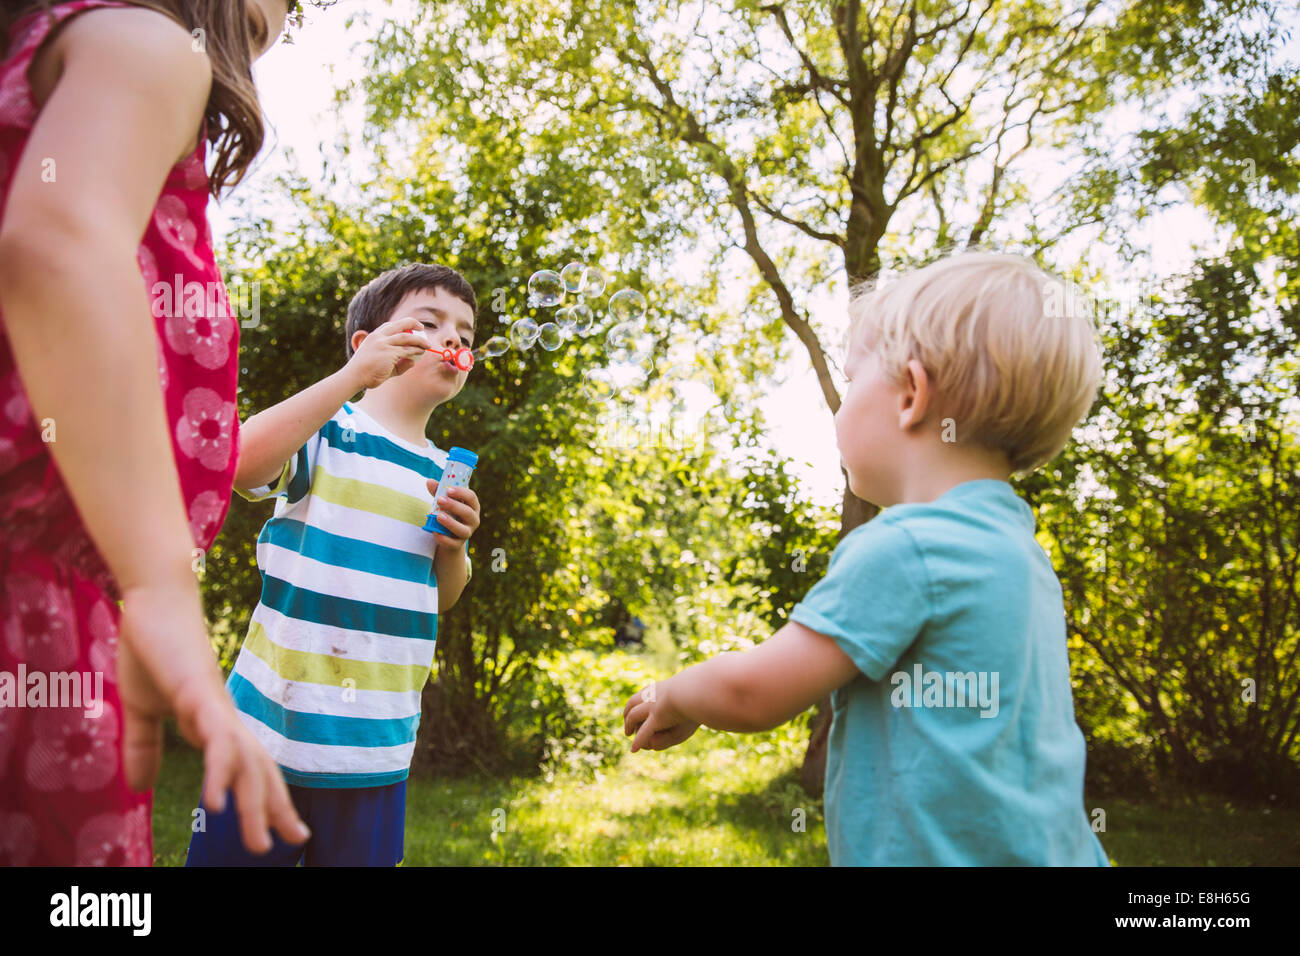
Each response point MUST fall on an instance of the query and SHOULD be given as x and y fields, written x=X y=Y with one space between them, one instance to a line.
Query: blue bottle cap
x=463 y=455
x=432 y=524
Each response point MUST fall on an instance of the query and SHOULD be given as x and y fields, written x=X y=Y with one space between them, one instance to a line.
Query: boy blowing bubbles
x=341 y=643
x=947 y=581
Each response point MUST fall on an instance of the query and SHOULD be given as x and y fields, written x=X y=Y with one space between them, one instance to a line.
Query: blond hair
x=1013 y=359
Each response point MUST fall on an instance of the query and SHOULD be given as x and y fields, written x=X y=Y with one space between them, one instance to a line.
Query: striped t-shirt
x=341 y=643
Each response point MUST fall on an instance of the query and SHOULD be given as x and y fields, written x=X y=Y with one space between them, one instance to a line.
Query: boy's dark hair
x=374 y=304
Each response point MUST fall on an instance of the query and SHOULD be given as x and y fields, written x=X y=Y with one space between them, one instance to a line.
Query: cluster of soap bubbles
x=627 y=342
x=684 y=393
x=628 y=345
x=546 y=289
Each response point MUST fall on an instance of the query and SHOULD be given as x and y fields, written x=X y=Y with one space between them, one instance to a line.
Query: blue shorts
x=353 y=827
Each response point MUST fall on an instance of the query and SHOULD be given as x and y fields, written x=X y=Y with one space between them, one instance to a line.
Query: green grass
x=175 y=796
x=716 y=800
x=1198 y=831
x=713 y=800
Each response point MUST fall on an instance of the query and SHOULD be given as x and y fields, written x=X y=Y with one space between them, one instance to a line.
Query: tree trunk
x=854 y=512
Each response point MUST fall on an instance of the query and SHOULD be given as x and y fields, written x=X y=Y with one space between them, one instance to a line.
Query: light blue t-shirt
x=957 y=744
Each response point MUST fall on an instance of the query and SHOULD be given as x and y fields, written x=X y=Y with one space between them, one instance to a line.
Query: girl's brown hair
x=233 y=114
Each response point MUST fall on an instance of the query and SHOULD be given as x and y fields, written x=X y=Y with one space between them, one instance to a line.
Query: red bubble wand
x=462 y=358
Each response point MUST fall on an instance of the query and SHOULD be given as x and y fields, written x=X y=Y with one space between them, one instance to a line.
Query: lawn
x=716 y=800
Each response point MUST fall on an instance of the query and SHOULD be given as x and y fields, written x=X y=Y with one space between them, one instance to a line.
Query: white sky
x=297 y=83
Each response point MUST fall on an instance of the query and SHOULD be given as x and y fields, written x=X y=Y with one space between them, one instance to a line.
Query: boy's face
x=867 y=429
x=448 y=323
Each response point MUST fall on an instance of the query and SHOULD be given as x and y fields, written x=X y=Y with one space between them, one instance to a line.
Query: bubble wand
x=462 y=358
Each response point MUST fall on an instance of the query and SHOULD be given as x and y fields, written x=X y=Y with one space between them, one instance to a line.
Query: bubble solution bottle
x=460 y=465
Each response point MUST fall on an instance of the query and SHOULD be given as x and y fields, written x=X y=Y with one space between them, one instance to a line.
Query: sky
x=296 y=83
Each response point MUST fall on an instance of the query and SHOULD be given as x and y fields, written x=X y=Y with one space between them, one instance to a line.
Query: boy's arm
x=450 y=567
x=269 y=438
x=746 y=692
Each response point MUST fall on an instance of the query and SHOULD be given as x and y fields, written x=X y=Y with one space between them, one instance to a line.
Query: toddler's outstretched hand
x=650 y=715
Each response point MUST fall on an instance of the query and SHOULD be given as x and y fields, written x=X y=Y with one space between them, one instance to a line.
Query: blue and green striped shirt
x=341 y=643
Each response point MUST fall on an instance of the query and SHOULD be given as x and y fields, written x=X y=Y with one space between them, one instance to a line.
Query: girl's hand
x=387 y=351
x=232 y=757
x=458 y=512
x=650 y=715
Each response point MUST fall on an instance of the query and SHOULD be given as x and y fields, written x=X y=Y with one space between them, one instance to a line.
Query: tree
x=785 y=131
x=1183 y=580
x=569 y=520
x=1181 y=570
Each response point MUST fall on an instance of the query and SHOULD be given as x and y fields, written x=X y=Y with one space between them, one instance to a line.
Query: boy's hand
x=387 y=351
x=458 y=512
x=232 y=757
x=657 y=724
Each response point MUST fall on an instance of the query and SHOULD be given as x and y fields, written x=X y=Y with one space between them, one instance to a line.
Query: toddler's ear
x=358 y=337
x=916 y=395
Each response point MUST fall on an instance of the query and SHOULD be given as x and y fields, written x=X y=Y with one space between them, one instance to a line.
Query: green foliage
x=1172 y=520
x=793 y=540
x=571 y=520
x=580 y=697
x=652 y=137
x=1218 y=103
x=1172 y=525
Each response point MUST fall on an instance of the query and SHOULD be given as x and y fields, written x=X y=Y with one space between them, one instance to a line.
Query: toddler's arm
x=269 y=438
x=127 y=104
x=742 y=691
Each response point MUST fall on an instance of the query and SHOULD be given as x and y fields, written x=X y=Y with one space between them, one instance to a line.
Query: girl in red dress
x=109 y=482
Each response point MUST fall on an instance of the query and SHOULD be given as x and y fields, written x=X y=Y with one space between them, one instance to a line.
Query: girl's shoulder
x=41 y=42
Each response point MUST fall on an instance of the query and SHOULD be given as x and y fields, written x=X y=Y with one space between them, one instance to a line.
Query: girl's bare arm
x=128 y=100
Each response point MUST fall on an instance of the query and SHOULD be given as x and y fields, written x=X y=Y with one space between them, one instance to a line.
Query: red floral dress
x=63 y=794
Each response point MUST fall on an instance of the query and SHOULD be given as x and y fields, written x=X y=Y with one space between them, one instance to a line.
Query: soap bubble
x=681 y=377
x=572 y=275
x=631 y=375
x=593 y=282
x=598 y=384
x=689 y=384
x=550 y=336
x=626 y=344
x=583 y=318
x=565 y=320
x=626 y=305
x=497 y=345
x=545 y=288
x=523 y=334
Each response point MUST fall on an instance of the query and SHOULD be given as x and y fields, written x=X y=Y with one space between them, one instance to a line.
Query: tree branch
x=798 y=224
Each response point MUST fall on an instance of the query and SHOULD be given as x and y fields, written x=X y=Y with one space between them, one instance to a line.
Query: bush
x=579 y=697
x=1116 y=768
